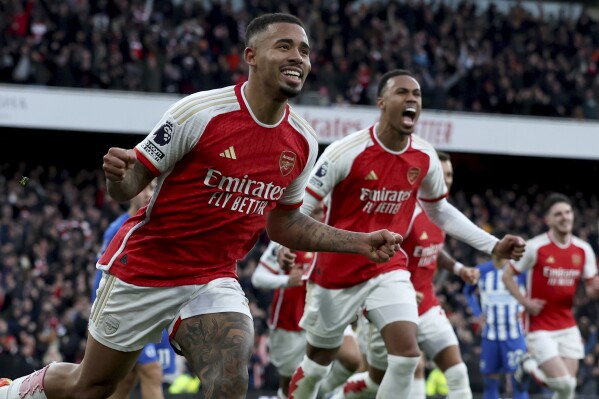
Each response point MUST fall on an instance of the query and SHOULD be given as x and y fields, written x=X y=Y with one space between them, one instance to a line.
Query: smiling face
x=401 y=102
x=279 y=58
x=560 y=218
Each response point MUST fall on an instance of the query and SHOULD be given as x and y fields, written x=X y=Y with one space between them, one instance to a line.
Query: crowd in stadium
x=470 y=57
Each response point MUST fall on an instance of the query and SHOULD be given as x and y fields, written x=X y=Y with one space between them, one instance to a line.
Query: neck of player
x=265 y=108
x=392 y=138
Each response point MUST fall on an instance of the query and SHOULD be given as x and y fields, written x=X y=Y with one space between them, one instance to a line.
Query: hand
x=470 y=275
x=382 y=245
x=510 y=247
x=295 y=277
x=534 y=306
x=419 y=297
x=286 y=258
x=117 y=162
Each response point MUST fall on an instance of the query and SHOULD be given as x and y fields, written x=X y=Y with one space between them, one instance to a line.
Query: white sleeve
x=433 y=185
x=457 y=225
x=527 y=261
x=310 y=202
x=329 y=170
x=590 y=264
x=263 y=278
x=268 y=273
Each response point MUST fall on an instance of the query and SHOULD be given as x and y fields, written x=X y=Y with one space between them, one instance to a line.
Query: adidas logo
x=550 y=260
x=424 y=236
x=229 y=153
x=371 y=176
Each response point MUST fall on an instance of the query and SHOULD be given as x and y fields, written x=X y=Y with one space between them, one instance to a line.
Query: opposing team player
x=503 y=343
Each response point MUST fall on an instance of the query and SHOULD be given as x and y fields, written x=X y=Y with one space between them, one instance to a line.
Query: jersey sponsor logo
x=287 y=162
x=371 y=176
x=323 y=169
x=152 y=151
x=229 y=153
x=561 y=277
x=236 y=193
x=413 y=174
x=383 y=200
x=428 y=255
x=164 y=135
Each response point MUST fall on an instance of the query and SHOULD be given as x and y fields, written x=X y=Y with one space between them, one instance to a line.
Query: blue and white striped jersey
x=501 y=310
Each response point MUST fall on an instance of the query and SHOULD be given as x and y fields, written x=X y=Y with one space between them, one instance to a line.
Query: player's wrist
x=457 y=268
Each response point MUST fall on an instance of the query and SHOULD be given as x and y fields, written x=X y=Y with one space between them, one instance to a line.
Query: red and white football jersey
x=423 y=243
x=220 y=170
x=369 y=187
x=288 y=303
x=554 y=272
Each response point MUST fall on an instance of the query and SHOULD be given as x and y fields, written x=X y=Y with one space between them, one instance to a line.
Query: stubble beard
x=289 y=92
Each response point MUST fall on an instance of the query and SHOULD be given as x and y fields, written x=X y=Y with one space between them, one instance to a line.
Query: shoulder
x=349 y=145
x=420 y=144
x=301 y=125
x=579 y=242
x=538 y=241
x=203 y=102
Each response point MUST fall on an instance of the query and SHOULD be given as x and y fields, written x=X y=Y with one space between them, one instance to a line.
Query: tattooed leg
x=218 y=347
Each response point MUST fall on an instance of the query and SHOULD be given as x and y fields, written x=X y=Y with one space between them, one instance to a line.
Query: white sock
x=358 y=386
x=336 y=377
x=418 y=389
x=397 y=382
x=306 y=379
x=32 y=386
x=458 y=383
x=531 y=366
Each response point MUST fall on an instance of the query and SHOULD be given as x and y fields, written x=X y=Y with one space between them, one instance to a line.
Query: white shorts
x=125 y=317
x=544 y=345
x=286 y=349
x=435 y=333
x=329 y=311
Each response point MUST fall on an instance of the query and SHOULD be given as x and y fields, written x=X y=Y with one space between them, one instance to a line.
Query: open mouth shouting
x=409 y=117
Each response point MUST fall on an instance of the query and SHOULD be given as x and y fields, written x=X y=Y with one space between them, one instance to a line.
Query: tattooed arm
x=125 y=175
x=295 y=230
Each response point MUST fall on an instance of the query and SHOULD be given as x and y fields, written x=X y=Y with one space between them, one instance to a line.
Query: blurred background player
x=436 y=338
x=503 y=343
x=149 y=370
x=281 y=269
x=556 y=261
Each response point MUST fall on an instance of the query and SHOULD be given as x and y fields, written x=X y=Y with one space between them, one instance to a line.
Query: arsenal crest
x=576 y=260
x=287 y=162
x=413 y=174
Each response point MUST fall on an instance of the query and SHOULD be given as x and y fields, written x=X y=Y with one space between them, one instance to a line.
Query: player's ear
x=249 y=55
x=380 y=102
